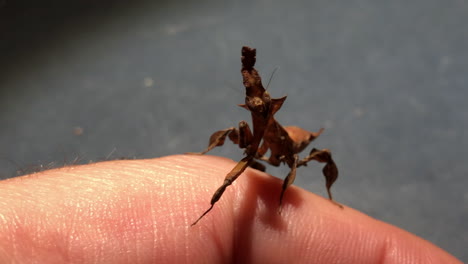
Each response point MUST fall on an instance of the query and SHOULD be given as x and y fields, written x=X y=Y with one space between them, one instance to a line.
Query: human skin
x=140 y=211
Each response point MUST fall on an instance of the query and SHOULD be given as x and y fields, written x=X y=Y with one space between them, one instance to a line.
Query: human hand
x=140 y=211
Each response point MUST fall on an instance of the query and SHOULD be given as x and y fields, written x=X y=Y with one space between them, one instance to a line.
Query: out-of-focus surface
x=82 y=81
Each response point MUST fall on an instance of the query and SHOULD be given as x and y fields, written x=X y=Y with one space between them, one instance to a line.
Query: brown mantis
x=284 y=143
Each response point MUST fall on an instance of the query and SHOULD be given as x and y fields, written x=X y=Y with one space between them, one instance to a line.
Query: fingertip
x=248 y=226
x=144 y=209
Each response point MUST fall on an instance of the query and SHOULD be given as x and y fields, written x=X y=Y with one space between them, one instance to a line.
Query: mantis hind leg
x=330 y=171
x=289 y=179
x=230 y=178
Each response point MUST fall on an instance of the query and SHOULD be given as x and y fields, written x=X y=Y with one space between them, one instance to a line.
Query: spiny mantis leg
x=289 y=179
x=230 y=178
x=330 y=171
x=241 y=136
x=217 y=139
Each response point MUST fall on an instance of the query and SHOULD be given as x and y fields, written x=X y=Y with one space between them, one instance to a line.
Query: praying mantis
x=284 y=143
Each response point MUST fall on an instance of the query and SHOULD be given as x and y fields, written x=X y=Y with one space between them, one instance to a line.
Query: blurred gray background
x=85 y=81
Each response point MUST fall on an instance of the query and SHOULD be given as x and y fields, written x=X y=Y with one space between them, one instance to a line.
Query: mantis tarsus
x=284 y=143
